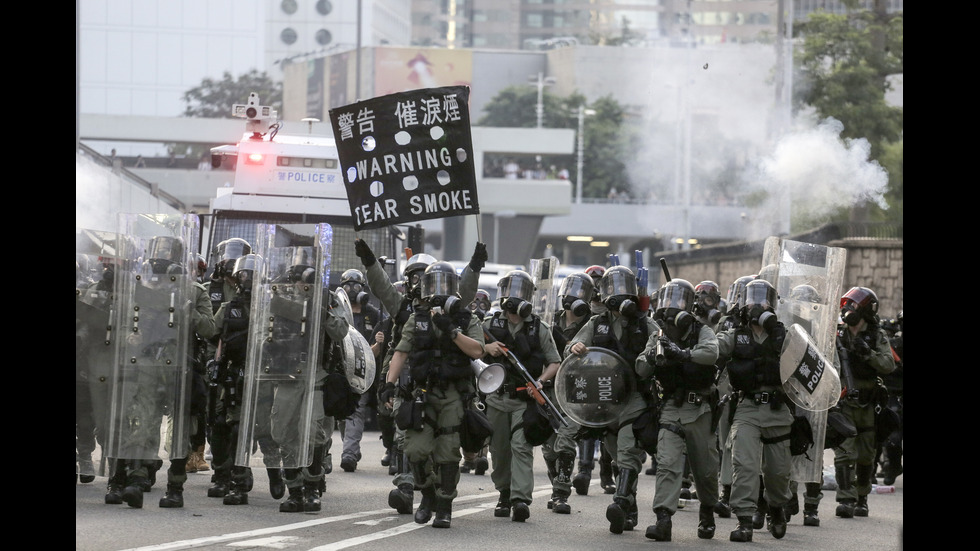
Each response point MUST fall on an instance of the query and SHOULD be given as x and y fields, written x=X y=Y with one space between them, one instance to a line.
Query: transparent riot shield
x=150 y=410
x=594 y=389
x=95 y=340
x=359 y=361
x=809 y=278
x=542 y=271
x=284 y=344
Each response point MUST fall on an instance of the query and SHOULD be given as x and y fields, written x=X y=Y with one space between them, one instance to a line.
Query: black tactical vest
x=564 y=336
x=437 y=361
x=677 y=375
x=526 y=344
x=632 y=342
x=753 y=364
x=234 y=330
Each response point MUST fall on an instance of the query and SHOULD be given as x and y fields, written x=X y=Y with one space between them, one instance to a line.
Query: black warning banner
x=407 y=156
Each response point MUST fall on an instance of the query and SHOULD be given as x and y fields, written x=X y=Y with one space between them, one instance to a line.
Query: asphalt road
x=355 y=515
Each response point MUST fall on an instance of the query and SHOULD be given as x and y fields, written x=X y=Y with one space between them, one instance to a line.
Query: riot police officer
x=575 y=294
x=762 y=419
x=477 y=462
x=437 y=344
x=522 y=332
x=400 y=307
x=686 y=375
x=367 y=320
x=863 y=346
x=624 y=329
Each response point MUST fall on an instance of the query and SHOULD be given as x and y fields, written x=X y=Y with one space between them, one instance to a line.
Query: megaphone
x=489 y=377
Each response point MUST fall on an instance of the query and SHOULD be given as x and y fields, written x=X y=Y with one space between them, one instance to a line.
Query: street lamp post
x=582 y=112
x=496 y=231
x=540 y=81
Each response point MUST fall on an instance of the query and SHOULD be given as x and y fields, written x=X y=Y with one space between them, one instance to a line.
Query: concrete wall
x=877 y=264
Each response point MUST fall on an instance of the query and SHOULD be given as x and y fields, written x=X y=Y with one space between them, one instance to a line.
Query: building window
x=323 y=37
x=288 y=35
x=288 y=6
x=324 y=7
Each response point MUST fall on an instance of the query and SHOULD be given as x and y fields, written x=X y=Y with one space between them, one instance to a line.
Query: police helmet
x=576 y=292
x=244 y=271
x=595 y=272
x=759 y=303
x=735 y=291
x=857 y=304
x=165 y=254
x=515 y=291
x=805 y=293
x=414 y=268
x=439 y=282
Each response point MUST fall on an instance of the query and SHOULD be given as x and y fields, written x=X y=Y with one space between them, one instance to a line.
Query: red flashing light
x=254 y=159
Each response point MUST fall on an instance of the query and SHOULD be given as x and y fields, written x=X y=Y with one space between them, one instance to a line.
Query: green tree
x=845 y=62
x=214 y=99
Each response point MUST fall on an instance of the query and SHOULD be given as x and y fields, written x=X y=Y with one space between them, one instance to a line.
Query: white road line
x=211 y=540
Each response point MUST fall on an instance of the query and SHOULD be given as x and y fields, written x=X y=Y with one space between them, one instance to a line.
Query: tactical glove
x=672 y=351
x=364 y=252
x=479 y=259
x=387 y=393
x=861 y=348
x=443 y=322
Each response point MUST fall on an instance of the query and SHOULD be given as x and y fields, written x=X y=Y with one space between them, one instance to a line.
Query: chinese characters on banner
x=407 y=156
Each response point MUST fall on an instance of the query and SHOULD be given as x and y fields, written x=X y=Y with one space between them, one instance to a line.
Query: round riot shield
x=358 y=361
x=345 y=307
x=594 y=389
x=810 y=380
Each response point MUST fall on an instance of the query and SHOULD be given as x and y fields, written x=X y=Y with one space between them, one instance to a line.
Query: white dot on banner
x=377 y=188
x=368 y=143
x=351 y=174
x=410 y=183
x=402 y=137
x=461 y=155
x=436 y=132
x=443 y=177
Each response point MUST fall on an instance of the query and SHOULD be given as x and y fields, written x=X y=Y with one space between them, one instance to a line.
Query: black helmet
x=355 y=285
x=165 y=254
x=675 y=303
x=414 y=268
x=244 y=271
x=759 y=303
x=302 y=266
x=707 y=301
x=735 y=301
x=857 y=304
x=617 y=290
x=575 y=293
x=805 y=293
x=440 y=284
x=516 y=291
x=226 y=253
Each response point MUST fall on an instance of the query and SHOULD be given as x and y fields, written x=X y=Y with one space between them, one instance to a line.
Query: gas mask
x=449 y=304
x=850 y=316
x=710 y=314
x=577 y=306
x=516 y=306
x=680 y=319
x=760 y=316
x=355 y=293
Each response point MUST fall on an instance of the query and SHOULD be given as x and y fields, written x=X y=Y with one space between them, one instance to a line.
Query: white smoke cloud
x=823 y=171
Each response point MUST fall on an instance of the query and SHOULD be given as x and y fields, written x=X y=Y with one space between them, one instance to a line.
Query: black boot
x=706 y=522
x=793 y=507
x=113 y=494
x=617 y=511
x=311 y=497
x=861 y=507
x=723 y=508
x=386 y=458
x=810 y=517
x=402 y=498
x=776 y=520
x=606 y=473
x=759 y=518
x=132 y=494
x=293 y=503
x=117 y=481
x=661 y=530
x=744 y=530
x=552 y=467
x=563 y=475
x=632 y=516
x=237 y=494
x=444 y=513
x=586 y=462
x=220 y=483
x=277 y=486
x=503 y=504
x=482 y=464
x=174 y=498
x=521 y=510
x=845 y=506
x=424 y=512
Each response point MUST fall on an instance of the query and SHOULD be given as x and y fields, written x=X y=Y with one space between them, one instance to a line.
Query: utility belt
x=772 y=397
x=683 y=396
